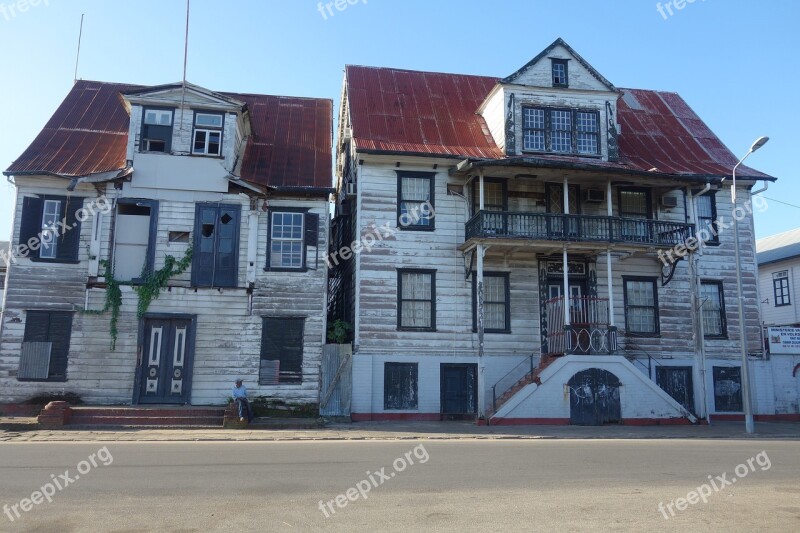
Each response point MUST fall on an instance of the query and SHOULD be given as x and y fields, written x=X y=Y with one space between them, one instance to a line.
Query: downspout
x=758 y=282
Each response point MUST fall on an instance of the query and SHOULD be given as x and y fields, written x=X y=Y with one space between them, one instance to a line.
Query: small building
x=169 y=239
x=778 y=259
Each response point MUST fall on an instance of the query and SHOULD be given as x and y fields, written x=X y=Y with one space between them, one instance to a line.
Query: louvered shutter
x=69 y=237
x=60 y=333
x=205 y=238
x=312 y=229
x=227 y=246
x=31 y=223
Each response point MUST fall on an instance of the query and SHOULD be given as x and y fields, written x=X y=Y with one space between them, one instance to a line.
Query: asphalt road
x=540 y=485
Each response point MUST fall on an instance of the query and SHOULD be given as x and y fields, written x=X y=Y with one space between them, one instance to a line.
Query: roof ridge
x=498 y=78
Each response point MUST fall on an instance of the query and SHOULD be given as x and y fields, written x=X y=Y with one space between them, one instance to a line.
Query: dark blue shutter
x=37 y=326
x=282 y=340
x=31 y=223
x=69 y=236
x=226 y=271
x=205 y=237
x=60 y=333
x=312 y=229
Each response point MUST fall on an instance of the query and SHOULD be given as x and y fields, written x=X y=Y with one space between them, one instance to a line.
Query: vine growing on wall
x=147 y=290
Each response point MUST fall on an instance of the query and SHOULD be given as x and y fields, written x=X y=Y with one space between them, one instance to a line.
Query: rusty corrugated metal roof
x=411 y=112
x=88 y=134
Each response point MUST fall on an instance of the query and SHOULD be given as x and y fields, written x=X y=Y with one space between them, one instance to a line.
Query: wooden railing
x=576 y=228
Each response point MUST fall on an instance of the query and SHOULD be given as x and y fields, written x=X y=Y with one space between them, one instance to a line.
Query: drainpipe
x=758 y=282
x=697 y=308
x=479 y=292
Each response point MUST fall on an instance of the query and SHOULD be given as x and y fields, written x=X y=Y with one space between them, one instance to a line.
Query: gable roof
x=778 y=247
x=576 y=55
x=290 y=145
x=427 y=113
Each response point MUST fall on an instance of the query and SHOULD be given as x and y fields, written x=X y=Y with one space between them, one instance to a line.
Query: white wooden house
x=778 y=259
x=125 y=181
x=540 y=277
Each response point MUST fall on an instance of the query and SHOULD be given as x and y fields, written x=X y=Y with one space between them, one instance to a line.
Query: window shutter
x=69 y=237
x=282 y=340
x=37 y=326
x=227 y=247
x=31 y=223
x=205 y=235
x=60 y=333
x=312 y=229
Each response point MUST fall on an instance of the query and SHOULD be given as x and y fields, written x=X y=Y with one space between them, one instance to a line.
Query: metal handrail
x=530 y=368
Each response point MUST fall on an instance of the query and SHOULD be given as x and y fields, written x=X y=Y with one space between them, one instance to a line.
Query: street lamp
x=745 y=375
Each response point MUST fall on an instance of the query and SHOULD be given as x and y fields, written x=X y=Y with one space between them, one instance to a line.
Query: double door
x=166 y=365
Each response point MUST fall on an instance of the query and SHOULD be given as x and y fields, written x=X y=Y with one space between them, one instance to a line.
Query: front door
x=166 y=361
x=677 y=382
x=459 y=387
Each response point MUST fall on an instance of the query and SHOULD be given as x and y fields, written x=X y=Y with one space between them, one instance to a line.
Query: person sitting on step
x=239 y=393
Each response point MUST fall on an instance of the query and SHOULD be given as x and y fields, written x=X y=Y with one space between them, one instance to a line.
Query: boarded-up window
x=400 y=385
x=55 y=328
x=133 y=253
x=215 y=261
x=416 y=299
x=50 y=229
x=728 y=388
x=282 y=342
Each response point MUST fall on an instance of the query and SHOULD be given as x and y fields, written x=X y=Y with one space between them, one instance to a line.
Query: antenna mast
x=185 y=59
x=78 y=56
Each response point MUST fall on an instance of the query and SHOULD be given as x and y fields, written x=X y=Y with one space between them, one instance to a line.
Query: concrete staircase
x=160 y=416
x=527 y=379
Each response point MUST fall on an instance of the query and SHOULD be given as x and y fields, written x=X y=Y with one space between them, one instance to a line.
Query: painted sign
x=784 y=340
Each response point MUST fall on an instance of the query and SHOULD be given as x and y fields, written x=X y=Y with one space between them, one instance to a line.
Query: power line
x=780 y=202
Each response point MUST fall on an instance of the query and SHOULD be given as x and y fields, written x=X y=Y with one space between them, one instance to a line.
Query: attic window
x=207 y=136
x=157 y=130
x=560 y=73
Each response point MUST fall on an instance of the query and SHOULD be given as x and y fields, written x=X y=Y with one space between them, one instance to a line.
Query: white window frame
x=208 y=130
x=159 y=113
x=214 y=115
x=287 y=240
x=49 y=234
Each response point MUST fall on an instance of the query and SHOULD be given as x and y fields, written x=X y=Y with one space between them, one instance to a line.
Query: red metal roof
x=410 y=112
x=88 y=134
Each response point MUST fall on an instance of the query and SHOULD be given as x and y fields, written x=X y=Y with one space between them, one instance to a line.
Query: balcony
x=576 y=228
x=589 y=331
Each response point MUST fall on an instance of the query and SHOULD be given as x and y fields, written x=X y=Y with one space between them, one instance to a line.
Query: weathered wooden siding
x=228 y=339
x=540 y=74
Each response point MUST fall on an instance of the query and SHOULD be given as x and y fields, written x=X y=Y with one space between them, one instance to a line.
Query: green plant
x=147 y=291
x=339 y=332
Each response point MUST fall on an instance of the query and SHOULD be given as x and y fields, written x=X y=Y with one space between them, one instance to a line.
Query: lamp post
x=745 y=375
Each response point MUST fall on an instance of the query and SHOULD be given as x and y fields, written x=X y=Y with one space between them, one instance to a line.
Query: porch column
x=564 y=259
x=480 y=191
x=610 y=212
x=480 y=250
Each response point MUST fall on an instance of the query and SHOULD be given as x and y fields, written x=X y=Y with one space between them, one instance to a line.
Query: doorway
x=459 y=391
x=594 y=398
x=167 y=355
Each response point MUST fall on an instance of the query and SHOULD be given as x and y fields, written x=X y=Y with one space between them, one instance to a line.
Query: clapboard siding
x=783 y=315
x=228 y=332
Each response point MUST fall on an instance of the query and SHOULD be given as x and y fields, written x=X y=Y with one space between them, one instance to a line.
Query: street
x=467 y=485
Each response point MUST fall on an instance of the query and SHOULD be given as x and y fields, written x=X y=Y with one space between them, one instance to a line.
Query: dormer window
x=207 y=136
x=563 y=131
x=560 y=72
x=157 y=130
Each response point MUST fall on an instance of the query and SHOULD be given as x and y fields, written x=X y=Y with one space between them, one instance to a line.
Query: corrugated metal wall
x=337 y=380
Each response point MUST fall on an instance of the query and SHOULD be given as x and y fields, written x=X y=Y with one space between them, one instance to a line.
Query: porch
x=579 y=325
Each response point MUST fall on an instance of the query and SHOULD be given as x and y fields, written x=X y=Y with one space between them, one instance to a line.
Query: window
x=565 y=131
x=416 y=300
x=641 y=306
x=400 y=382
x=713 y=309
x=496 y=303
x=157 y=130
x=45 y=346
x=134 y=235
x=728 y=388
x=495 y=195
x=415 y=200
x=281 y=351
x=634 y=203
x=291 y=233
x=207 y=137
x=559 y=69
x=780 y=286
x=707 y=217
x=215 y=260
x=50 y=229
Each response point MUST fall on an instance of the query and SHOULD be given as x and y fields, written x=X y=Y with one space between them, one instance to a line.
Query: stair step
x=116 y=420
x=147 y=412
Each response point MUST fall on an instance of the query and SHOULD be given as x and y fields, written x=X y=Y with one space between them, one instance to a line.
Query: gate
x=594 y=398
x=337 y=380
x=677 y=382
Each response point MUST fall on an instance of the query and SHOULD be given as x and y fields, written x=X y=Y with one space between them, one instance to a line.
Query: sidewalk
x=20 y=431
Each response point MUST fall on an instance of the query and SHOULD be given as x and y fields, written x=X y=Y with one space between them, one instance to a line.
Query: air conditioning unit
x=595 y=196
x=347 y=134
x=669 y=202
x=351 y=189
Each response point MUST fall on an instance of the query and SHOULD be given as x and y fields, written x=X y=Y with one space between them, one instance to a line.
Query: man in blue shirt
x=239 y=393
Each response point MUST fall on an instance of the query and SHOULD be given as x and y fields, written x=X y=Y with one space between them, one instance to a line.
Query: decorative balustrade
x=588 y=331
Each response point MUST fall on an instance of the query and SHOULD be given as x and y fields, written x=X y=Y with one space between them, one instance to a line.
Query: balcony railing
x=588 y=332
x=576 y=228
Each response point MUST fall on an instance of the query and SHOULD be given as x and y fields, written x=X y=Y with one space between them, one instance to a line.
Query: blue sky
x=734 y=61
